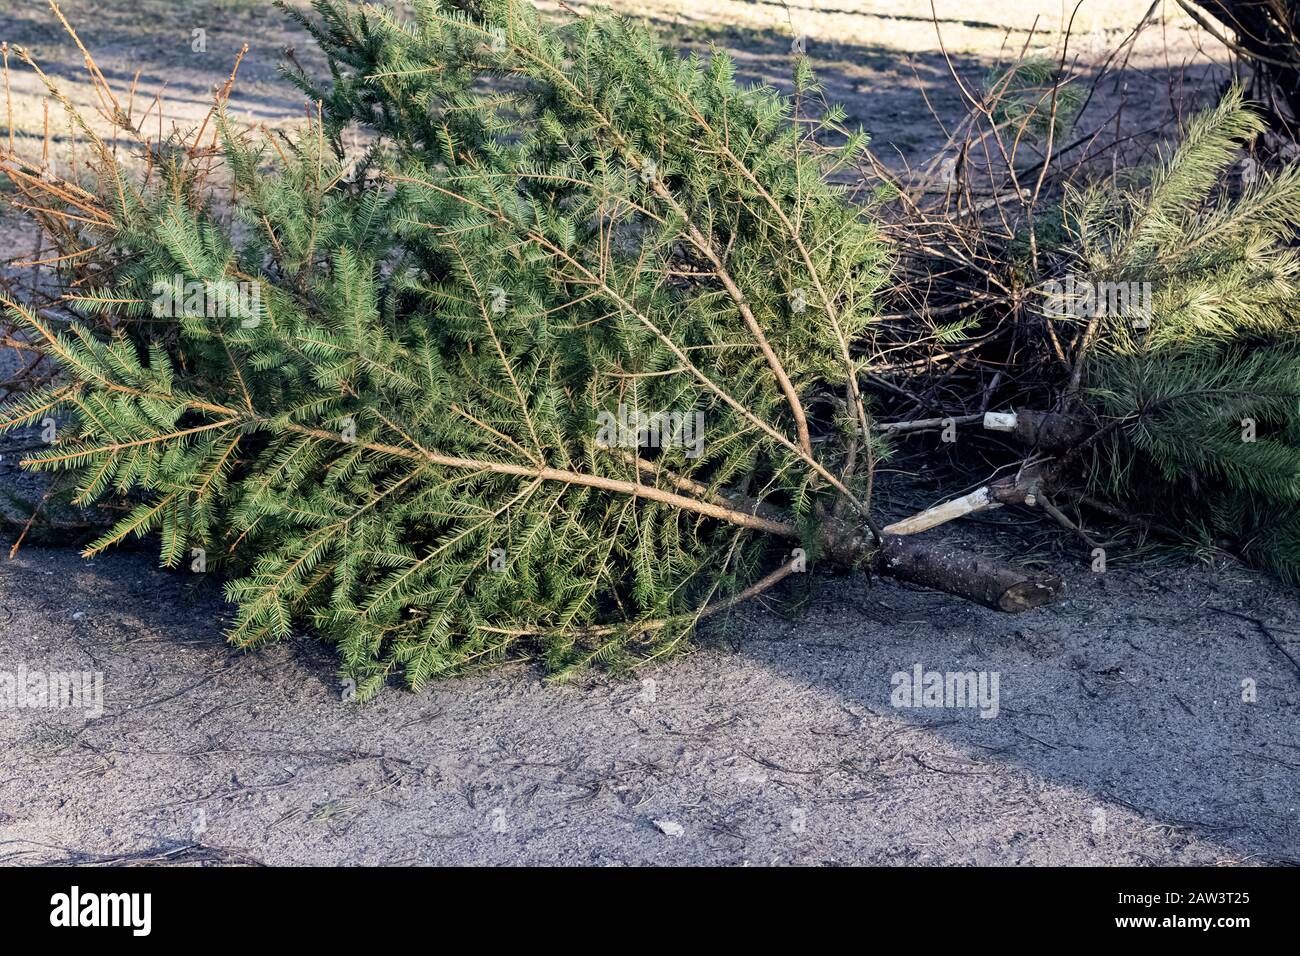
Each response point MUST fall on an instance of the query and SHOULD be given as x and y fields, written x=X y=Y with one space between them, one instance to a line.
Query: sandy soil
x=1123 y=734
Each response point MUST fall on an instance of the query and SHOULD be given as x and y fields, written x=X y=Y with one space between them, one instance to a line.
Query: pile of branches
x=587 y=343
x=1116 y=348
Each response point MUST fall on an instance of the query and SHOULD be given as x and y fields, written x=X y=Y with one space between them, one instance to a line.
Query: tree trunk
x=941 y=567
x=994 y=584
x=945 y=567
x=1267 y=33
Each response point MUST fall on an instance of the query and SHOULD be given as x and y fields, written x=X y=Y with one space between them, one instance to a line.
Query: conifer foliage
x=1196 y=394
x=493 y=384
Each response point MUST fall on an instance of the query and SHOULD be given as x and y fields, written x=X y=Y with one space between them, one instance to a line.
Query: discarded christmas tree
x=1196 y=383
x=558 y=366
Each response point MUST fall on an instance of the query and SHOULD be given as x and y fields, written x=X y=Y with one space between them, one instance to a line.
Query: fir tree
x=1197 y=391
x=498 y=385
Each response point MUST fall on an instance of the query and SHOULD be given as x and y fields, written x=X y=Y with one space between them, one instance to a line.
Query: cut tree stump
x=945 y=567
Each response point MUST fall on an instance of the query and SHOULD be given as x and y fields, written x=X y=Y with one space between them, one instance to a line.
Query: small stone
x=669 y=828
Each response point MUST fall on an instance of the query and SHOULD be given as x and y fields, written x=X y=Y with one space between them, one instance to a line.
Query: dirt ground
x=1151 y=718
x=1121 y=736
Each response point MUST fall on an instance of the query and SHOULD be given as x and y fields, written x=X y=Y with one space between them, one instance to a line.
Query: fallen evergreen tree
x=1197 y=391
x=559 y=364
x=580 y=346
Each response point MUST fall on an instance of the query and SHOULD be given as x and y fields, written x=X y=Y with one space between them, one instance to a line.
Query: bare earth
x=1123 y=735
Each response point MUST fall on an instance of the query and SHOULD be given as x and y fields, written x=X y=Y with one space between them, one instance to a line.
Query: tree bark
x=1044 y=431
x=1266 y=32
x=942 y=567
x=994 y=584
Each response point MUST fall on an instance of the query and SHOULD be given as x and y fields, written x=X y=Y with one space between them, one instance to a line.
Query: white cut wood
x=977 y=500
x=1000 y=421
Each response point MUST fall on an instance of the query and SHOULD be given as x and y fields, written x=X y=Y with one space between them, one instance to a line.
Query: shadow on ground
x=1121 y=735
x=906 y=100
